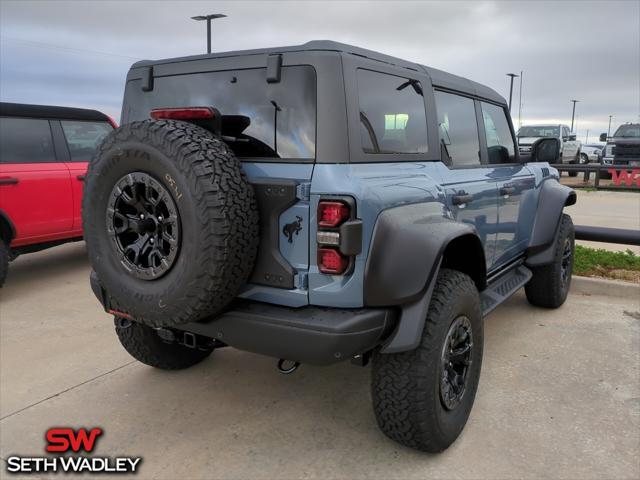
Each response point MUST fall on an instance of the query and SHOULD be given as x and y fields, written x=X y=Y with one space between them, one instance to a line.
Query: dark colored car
x=622 y=149
x=44 y=153
x=321 y=203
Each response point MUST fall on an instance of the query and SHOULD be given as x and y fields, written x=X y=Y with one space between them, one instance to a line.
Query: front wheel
x=549 y=285
x=584 y=159
x=145 y=345
x=422 y=398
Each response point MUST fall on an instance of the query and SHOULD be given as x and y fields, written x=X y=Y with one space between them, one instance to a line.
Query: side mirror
x=572 y=138
x=546 y=150
x=603 y=137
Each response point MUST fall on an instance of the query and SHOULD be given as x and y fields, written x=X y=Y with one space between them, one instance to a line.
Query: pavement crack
x=67 y=390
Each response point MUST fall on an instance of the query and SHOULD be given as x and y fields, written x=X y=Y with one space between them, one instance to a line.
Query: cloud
x=78 y=53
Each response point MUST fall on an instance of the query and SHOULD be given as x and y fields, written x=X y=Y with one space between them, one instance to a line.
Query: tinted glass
x=272 y=120
x=83 y=138
x=540 y=131
x=628 y=131
x=458 y=129
x=499 y=140
x=392 y=114
x=25 y=140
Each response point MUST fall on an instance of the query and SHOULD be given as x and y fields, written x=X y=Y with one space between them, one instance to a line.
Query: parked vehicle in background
x=44 y=153
x=591 y=152
x=569 y=146
x=243 y=203
x=623 y=148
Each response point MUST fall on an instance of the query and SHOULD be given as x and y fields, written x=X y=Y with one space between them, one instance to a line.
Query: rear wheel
x=145 y=345
x=549 y=285
x=4 y=261
x=422 y=398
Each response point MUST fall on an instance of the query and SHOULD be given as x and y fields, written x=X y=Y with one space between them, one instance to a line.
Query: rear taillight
x=187 y=113
x=331 y=261
x=332 y=214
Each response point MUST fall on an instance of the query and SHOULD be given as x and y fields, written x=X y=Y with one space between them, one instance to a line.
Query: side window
x=25 y=140
x=458 y=129
x=83 y=138
x=500 y=144
x=392 y=114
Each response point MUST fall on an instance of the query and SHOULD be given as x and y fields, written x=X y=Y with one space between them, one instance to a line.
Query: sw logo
x=66 y=440
x=624 y=176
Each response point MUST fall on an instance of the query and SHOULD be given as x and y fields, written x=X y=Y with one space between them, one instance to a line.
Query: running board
x=503 y=287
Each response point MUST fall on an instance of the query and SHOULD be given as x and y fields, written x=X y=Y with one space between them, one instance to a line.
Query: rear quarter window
x=25 y=140
x=392 y=114
x=83 y=138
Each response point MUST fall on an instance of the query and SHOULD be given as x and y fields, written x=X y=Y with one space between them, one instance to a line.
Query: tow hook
x=286 y=371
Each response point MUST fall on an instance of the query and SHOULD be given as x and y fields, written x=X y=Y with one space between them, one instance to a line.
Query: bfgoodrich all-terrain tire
x=4 y=261
x=422 y=398
x=146 y=346
x=170 y=222
x=550 y=284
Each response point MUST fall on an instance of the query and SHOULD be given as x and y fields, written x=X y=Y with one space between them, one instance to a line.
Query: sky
x=77 y=53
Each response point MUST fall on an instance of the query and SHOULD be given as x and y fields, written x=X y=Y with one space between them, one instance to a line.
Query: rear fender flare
x=406 y=253
x=551 y=202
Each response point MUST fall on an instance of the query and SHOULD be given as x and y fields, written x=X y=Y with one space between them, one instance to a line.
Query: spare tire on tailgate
x=170 y=221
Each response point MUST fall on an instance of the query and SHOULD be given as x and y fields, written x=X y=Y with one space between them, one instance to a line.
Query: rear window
x=83 y=138
x=268 y=120
x=25 y=140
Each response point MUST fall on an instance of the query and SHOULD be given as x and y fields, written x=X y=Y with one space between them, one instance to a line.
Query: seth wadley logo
x=67 y=440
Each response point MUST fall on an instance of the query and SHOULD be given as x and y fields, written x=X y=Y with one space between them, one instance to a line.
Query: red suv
x=44 y=152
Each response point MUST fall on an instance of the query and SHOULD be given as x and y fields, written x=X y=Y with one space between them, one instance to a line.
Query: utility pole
x=609 y=129
x=208 y=18
x=520 y=103
x=512 y=75
x=586 y=140
x=573 y=115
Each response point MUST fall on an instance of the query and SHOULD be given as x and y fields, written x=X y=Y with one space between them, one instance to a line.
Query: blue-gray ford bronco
x=322 y=203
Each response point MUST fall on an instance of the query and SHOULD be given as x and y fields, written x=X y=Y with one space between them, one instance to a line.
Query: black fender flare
x=404 y=258
x=7 y=228
x=552 y=199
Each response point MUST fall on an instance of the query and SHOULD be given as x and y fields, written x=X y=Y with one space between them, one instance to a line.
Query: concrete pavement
x=559 y=395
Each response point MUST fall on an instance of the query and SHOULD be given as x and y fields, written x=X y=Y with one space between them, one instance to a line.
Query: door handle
x=507 y=190
x=462 y=199
x=81 y=177
x=8 y=181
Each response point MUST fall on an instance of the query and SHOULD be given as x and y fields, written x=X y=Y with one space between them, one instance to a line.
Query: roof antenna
x=208 y=18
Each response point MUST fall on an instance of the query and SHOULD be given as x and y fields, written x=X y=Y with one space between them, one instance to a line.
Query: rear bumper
x=311 y=335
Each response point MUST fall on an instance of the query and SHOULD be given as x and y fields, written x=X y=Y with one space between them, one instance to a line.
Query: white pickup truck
x=570 y=148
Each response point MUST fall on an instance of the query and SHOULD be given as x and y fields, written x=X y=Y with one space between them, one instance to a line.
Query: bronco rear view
x=323 y=203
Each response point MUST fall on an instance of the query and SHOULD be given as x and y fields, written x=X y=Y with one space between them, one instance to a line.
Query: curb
x=601 y=286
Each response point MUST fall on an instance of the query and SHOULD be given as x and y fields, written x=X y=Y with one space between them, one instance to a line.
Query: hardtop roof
x=50 y=111
x=439 y=78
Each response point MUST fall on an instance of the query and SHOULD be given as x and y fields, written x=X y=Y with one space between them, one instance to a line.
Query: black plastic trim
x=312 y=335
x=274 y=196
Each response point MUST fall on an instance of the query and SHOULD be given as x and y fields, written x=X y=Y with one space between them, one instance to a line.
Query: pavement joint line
x=67 y=390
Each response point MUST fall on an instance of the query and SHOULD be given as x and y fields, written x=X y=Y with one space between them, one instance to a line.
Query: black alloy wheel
x=456 y=360
x=144 y=225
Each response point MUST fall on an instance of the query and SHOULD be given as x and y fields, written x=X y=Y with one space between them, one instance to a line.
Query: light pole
x=512 y=75
x=609 y=129
x=573 y=115
x=208 y=18
x=520 y=104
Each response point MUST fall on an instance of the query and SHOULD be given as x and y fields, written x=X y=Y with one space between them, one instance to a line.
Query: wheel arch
x=409 y=246
x=7 y=228
x=552 y=199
